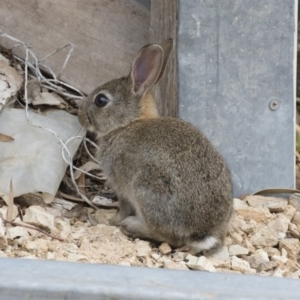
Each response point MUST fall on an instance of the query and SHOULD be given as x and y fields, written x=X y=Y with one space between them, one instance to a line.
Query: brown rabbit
x=172 y=185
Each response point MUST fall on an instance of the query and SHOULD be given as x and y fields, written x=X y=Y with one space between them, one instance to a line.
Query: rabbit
x=172 y=185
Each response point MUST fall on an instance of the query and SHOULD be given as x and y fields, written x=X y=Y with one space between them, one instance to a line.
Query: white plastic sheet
x=33 y=161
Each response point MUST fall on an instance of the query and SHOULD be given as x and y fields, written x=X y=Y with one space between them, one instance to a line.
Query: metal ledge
x=38 y=279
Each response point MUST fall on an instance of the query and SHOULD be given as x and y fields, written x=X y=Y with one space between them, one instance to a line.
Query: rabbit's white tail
x=207 y=243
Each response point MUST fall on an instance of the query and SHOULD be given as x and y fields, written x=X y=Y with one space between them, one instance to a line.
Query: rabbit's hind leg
x=135 y=227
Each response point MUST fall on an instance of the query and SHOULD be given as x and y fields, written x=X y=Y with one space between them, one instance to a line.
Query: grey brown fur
x=173 y=186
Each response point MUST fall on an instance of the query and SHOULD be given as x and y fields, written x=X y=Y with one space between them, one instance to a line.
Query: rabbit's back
x=174 y=173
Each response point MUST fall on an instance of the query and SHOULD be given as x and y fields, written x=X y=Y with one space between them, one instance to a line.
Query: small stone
x=220 y=264
x=249 y=246
x=221 y=255
x=37 y=216
x=149 y=262
x=290 y=212
x=296 y=274
x=294 y=200
x=168 y=264
x=3 y=254
x=228 y=240
x=274 y=204
x=164 y=248
x=265 y=237
x=258 y=258
x=142 y=249
x=296 y=218
x=291 y=265
x=72 y=248
x=77 y=257
x=17 y=232
x=294 y=231
x=237 y=238
x=272 y=251
x=179 y=256
x=224 y=270
x=280 y=224
x=249 y=227
x=39 y=245
x=155 y=256
x=240 y=265
x=257 y=214
x=250 y=271
x=200 y=263
x=238 y=204
x=237 y=250
x=125 y=263
x=50 y=256
x=292 y=246
x=278 y=272
x=64 y=227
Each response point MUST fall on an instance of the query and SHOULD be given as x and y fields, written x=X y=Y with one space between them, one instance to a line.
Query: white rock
x=296 y=218
x=179 y=256
x=64 y=227
x=37 y=216
x=3 y=254
x=238 y=264
x=16 y=232
x=274 y=204
x=142 y=249
x=257 y=214
x=125 y=263
x=168 y=264
x=294 y=200
x=200 y=263
x=155 y=256
x=222 y=254
x=265 y=237
x=249 y=246
x=292 y=246
x=237 y=250
x=290 y=212
x=296 y=274
x=39 y=245
x=237 y=204
x=225 y=270
x=278 y=273
x=77 y=257
x=72 y=248
x=236 y=238
x=50 y=255
x=164 y=248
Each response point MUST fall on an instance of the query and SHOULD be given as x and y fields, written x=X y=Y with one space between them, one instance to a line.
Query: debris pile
x=263 y=239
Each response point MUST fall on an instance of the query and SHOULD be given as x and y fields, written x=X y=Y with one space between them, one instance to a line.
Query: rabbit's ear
x=167 y=47
x=148 y=66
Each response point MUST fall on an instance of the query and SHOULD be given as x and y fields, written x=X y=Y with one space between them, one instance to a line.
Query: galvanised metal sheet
x=235 y=59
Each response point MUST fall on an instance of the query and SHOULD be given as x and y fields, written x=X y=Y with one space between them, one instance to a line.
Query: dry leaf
x=5 y=138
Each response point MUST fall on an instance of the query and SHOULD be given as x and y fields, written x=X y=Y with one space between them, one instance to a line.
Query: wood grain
x=106 y=35
x=163 y=26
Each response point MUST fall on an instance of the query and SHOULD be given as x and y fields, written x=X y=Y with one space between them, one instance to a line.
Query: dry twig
x=31 y=227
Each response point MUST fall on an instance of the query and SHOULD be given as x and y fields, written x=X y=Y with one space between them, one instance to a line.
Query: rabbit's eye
x=101 y=100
